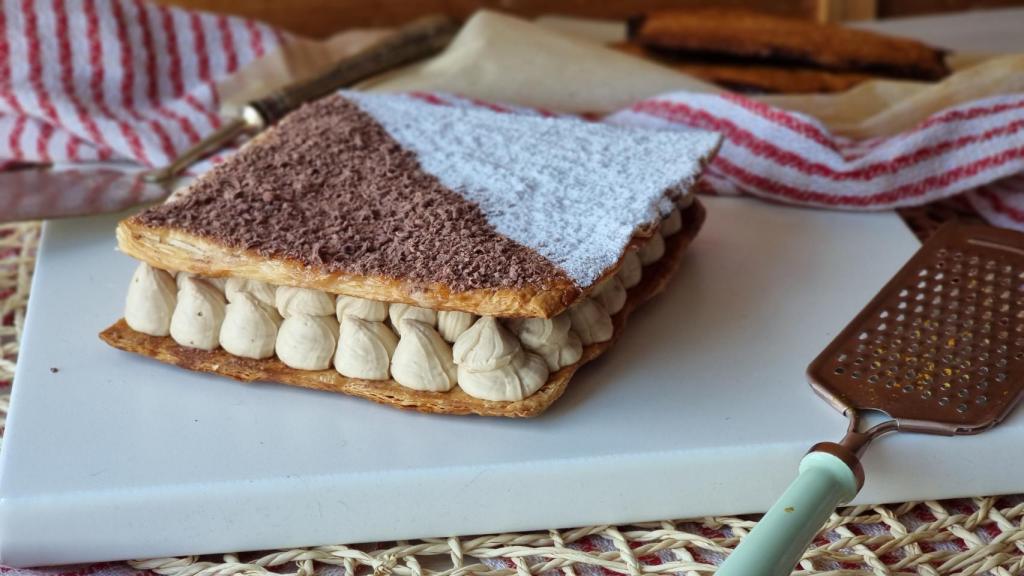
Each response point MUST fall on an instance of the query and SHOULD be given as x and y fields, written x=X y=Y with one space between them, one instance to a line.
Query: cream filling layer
x=492 y=364
x=611 y=293
x=152 y=297
x=487 y=345
x=423 y=360
x=631 y=271
x=371 y=310
x=399 y=312
x=218 y=283
x=433 y=350
x=364 y=349
x=591 y=321
x=306 y=342
x=264 y=293
x=292 y=301
x=672 y=224
x=652 y=250
x=250 y=327
x=198 y=315
x=551 y=338
x=451 y=323
x=522 y=376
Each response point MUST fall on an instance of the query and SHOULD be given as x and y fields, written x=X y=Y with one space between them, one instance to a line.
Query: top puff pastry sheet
x=395 y=197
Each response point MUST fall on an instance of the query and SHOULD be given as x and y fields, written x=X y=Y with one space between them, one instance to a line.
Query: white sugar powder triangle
x=574 y=191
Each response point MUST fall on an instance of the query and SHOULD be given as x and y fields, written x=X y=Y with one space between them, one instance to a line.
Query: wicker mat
x=975 y=536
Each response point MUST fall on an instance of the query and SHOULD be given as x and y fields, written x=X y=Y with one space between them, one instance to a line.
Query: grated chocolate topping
x=330 y=188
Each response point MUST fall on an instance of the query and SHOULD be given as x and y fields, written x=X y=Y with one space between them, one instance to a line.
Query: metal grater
x=939 y=350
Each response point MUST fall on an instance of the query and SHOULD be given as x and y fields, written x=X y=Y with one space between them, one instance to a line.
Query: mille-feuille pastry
x=433 y=257
x=747 y=35
x=753 y=77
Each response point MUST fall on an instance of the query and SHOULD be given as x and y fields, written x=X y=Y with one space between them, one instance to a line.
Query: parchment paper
x=561 y=64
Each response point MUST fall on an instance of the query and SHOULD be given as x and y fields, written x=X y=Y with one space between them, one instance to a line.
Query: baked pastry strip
x=754 y=76
x=456 y=401
x=718 y=32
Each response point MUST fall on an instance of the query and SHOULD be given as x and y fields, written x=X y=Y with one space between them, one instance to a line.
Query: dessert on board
x=440 y=258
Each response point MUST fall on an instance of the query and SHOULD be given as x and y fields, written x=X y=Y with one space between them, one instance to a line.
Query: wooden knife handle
x=418 y=39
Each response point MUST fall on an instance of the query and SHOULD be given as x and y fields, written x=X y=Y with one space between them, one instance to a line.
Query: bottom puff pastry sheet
x=164 y=349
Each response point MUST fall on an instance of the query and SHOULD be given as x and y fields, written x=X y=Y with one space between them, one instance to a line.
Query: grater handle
x=776 y=544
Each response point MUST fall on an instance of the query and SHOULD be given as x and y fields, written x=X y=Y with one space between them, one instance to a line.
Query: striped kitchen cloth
x=98 y=80
x=976 y=149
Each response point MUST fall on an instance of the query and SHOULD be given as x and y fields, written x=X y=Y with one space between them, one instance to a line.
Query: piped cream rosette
x=419 y=348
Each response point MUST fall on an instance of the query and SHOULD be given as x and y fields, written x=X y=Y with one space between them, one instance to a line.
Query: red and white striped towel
x=976 y=148
x=85 y=81
x=89 y=80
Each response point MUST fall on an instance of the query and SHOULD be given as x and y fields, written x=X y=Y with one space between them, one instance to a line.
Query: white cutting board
x=702 y=408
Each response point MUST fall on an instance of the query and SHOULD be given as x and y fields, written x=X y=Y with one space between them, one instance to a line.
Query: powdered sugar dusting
x=573 y=191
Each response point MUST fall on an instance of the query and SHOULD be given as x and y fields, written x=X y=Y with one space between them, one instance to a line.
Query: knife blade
x=36 y=194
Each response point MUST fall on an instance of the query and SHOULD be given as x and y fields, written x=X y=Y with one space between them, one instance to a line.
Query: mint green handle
x=776 y=544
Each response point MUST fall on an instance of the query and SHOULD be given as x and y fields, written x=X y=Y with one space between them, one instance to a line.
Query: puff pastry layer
x=171 y=249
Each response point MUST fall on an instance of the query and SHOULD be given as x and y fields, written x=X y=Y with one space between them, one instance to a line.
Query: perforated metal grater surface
x=941 y=348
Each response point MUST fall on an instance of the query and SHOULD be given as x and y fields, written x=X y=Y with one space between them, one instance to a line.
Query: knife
x=32 y=194
x=37 y=193
x=414 y=41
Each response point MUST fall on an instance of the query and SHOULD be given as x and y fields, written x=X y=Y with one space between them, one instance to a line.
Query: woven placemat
x=963 y=537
